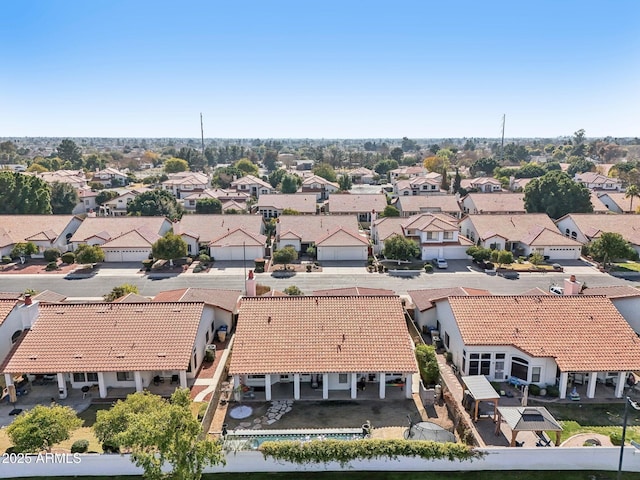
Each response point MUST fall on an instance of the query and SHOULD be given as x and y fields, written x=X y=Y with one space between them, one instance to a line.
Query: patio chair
x=175 y=379
x=574 y=395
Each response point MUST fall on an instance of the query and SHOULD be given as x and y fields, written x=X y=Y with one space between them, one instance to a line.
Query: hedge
x=69 y=258
x=80 y=446
x=344 y=451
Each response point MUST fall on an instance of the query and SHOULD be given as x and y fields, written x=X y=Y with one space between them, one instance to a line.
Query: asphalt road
x=307 y=282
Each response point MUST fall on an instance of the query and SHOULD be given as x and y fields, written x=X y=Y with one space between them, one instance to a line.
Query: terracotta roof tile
x=112 y=227
x=137 y=238
x=239 y=237
x=427 y=203
x=342 y=238
x=617 y=291
x=321 y=334
x=6 y=306
x=300 y=202
x=225 y=299
x=424 y=299
x=564 y=327
x=350 y=203
x=513 y=227
x=353 y=291
x=310 y=229
x=109 y=337
x=593 y=225
x=19 y=228
x=10 y=295
x=498 y=202
x=209 y=227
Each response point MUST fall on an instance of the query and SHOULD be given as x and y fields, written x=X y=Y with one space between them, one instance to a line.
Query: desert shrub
x=68 y=258
x=6 y=259
x=616 y=438
x=80 y=446
x=51 y=254
x=147 y=264
x=534 y=389
x=309 y=268
x=51 y=266
x=209 y=356
x=204 y=258
x=428 y=268
x=552 y=391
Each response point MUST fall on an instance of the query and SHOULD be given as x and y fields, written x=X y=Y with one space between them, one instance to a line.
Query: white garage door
x=125 y=255
x=449 y=253
x=563 y=253
x=342 y=253
x=237 y=253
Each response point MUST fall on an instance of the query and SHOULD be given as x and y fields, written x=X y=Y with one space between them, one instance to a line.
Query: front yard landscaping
x=628 y=266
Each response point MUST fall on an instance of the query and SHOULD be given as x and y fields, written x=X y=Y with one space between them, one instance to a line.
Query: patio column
x=8 y=379
x=383 y=384
x=354 y=385
x=101 y=385
x=62 y=385
x=267 y=387
x=237 y=395
x=296 y=386
x=408 y=385
x=591 y=385
x=325 y=386
x=564 y=379
x=622 y=376
x=138 y=379
x=183 y=379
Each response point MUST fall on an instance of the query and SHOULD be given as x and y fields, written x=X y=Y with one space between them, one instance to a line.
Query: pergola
x=528 y=419
x=481 y=390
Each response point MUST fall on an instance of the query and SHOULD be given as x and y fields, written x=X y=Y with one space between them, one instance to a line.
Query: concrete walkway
x=212 y=382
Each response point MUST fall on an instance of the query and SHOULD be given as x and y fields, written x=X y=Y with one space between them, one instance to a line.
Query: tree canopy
x=325 y=171
x=158 y=432
x=345 y=183
x=209 y=205
x=556 y=194
x=289 y=184
x=169 y=247
x=155 y=203
x=176 y=165
x=611 y=246
x=383 y=166
x=64 y=198
x=68 y=151
x=390 y=211
x=285 y=255
x=106 y=195
x=120 y=291
x=23 y=194
x=89 y=254
x=398 y=247
x=581 y=165
x=484 y=166
x=247 y=167
x=42 y=427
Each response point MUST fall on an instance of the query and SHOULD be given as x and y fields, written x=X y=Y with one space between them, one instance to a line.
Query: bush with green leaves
x=80 y=446
x=147 y=264
x=51 y=266
x=51 y=254
x=6 y=259
x=42 y=427
x=204 y=258
x=344 y=451
x=552 y=391
x=534 y=389
x=427 y=364
x=68 y=258
x=428 y=268
x=293 y=291
x=479 y=254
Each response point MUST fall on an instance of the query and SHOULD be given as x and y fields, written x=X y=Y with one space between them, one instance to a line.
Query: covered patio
x=480 y=390
x=529 y=419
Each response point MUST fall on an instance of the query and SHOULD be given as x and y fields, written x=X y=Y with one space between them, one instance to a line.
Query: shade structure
x=530 y=419
x=481 y=390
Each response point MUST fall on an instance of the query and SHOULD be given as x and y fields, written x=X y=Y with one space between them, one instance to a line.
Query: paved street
x=232 y=278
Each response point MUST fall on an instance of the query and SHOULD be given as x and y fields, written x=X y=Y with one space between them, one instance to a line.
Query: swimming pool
x=252 y=439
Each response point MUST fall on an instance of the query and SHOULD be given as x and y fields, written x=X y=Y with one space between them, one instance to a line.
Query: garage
x=450 y=253
x=237 y=253
x=345 y=253
x=126 y=254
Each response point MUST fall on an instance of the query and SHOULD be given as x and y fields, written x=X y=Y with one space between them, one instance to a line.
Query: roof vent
x=77 y=355
x=119 y=355
x=162 y=355
x=269 y=319
x=33 y=357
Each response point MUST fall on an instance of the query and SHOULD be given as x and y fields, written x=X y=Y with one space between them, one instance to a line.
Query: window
x=82 y=377
x=520 y=368
x=448 y=235
x=535 y=374
x=432 y=235
x=15 y=336
x=124 y=376
x=342 y=378
x=92 y=377
x=78 y=377
x=446 y=339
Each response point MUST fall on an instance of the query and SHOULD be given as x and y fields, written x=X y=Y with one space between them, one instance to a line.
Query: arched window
x=567 y=232
x=520 y=368
x=15 y=336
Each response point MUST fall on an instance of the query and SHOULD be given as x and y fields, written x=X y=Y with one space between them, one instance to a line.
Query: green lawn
x=627 y=267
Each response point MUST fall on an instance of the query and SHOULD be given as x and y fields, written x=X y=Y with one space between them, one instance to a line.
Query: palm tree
x=632 y=192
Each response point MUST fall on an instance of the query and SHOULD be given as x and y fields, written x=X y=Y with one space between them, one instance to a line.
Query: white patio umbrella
x=525 y=395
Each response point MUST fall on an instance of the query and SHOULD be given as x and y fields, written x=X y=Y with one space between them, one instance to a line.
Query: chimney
x=374 y=216
x=572 y=286
x=27 y=299
x=250 y=285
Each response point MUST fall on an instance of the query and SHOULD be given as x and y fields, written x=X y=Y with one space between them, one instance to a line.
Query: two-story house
x=272 y=206
x=253 y=186
x=110 y=177
x=185 y=183
x=321 y=187
x=482 y=184
x=418 y=186
x=596 y=181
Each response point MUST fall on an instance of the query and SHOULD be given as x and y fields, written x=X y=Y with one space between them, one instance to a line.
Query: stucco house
x=319 y=186
x=303 y=232
x=362 y=205
x=86 y=201
x=16 y=318
x=362 y=175
x=417 y=186
x=618 y=203
x=123 y=239
x=413 y=205
x=272 y=206
x=597 y=181
x=186 y=183
x=110 y=177
x=198 y=231
x=522 y=234
x=342 y=244
x=238 y=244
x=505 y=203
x=407 y=172
x=117 y=207
x=348 y=352
x=253 y=186
x=224 y=195
x=114 y=345
x=482 y=184
x=585 y=227
x=74 y=178
x=625 y=298
x=437 y=235
x=45 y=231
x=543 y=339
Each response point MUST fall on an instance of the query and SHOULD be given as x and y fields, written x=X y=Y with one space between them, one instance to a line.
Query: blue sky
x=319 y=69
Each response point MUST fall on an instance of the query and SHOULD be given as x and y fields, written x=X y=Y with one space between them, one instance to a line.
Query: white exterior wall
x=496 y=459
x=126 y=254
x=454 y=252
x=248 y=253
x=468 y=206
x=204 y=327
x=628 y=308
x=469 y=230
x=562 y=253
x=568 y=223
x=426 y=318
x=342 y=253
x=20 y=318
x=192 y=244
x=334 y=382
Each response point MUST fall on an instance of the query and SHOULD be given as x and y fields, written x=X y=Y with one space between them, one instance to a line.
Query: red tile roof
x=312 y=228
x=109 y=337
x=617 y=291
x=564 y=327
x=300 y=202
x=351 y=203
x=351 y=291
x=208 y=227
x=6 y=306
x=423 y=299
x=224 y=299
x=342 y=238
x=22 y=228
x=321 y=334
x=239 y=237
x=112 y=227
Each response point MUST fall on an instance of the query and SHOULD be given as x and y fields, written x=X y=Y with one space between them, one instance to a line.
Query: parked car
x=440 y=263
x=556 y=290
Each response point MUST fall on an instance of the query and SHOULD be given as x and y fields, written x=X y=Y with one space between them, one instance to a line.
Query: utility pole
x=502 y=143
x=202 y=135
